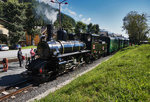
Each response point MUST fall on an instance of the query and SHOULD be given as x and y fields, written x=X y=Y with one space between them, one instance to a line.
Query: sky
x=108 y=14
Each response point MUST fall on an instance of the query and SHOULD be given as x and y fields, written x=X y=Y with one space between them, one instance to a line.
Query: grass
x=123 y=78
x=29 y=47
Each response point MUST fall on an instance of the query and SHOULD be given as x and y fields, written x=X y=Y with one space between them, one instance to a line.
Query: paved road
x=13 y=53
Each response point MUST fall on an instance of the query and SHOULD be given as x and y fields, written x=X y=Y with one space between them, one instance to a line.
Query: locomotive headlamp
x=88 y=38
x=40 y=70
x=55 y=53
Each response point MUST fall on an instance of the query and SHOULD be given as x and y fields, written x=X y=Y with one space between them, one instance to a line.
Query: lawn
x=124 y=77
x=29 y=47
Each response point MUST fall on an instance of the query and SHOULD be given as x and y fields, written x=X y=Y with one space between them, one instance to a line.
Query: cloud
x=49 y=3
x=67 y=10
x=86 y=20
x=70 y=12
x=77 y=17
x=80 y=16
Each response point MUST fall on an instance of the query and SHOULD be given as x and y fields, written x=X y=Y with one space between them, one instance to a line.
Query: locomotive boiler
x=57 y=48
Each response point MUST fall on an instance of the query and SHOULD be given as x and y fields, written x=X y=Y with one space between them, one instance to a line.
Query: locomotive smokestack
x=49 y=32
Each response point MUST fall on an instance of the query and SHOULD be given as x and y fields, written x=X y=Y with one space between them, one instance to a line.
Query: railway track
x=12 y=90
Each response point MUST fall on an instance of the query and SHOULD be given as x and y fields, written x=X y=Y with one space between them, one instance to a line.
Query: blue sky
x=107 y=13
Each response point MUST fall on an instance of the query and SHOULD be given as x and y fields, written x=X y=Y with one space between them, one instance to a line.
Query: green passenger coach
x=114 y=43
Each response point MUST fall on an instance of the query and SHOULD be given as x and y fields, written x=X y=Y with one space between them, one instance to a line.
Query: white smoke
x=46 y=10
x=51 y=15
x=49 y=3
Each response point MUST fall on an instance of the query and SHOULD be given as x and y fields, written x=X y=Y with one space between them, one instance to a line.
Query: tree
x=31 y=22
x=68 y=23
x=3 y=39
x=14 y=13
x=80 y=27
x=93 y=28
x=89 y=28
x=136 y=26
x=97 y=29
x=1 y=9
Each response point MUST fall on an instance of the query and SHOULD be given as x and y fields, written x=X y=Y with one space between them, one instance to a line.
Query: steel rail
x=13 y=85
x=16 y=92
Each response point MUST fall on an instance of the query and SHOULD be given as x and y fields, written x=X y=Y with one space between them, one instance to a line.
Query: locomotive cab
x=97 y=47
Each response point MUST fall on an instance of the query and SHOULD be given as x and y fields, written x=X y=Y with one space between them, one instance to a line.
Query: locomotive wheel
x=96 y=56
x=73 y=68
x=52 y=77
x=80 y=60
x=99 y=56
x=104 y=55
x=87 y=59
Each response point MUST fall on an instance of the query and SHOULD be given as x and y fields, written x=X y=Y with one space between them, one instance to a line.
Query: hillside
x=124 y=77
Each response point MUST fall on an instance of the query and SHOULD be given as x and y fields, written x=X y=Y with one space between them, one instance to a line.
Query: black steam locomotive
x=56 y=57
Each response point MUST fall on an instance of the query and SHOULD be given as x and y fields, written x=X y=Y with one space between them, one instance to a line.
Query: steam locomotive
x=57 y=57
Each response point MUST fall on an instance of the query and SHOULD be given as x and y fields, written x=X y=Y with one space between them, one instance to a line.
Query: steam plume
x=46 y=10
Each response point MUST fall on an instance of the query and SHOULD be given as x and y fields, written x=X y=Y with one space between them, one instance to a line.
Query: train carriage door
x=95 y=45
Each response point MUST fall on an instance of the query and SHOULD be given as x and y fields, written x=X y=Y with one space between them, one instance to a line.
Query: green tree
x=80 y=27
x=93 y=28
x=32 y=22
x=68 y=23
x=136 y=26
x=89 y=28
x=1 y=9
x=3 y=39
x=14 y=13
x=97 y=29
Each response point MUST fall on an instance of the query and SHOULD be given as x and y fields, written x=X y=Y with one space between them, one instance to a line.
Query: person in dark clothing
x=20 y=57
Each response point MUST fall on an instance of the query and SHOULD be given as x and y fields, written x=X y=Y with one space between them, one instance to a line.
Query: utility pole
x=59 y=3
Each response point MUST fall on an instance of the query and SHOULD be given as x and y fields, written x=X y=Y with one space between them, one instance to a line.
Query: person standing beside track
x=32 y=54
x=20 y=57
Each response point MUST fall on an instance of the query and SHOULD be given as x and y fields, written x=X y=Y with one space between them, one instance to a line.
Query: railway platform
x=12 y=75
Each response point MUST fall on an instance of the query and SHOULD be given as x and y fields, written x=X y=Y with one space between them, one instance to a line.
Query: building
x=4 y=33
x=3 y=30
x=36 y=39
